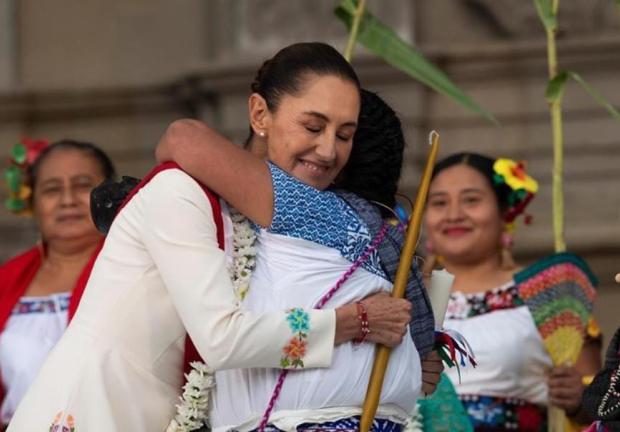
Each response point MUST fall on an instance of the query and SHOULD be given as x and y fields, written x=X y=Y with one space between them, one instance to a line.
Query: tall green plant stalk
x=556 y=416
x=357 y=18
x=558 y=147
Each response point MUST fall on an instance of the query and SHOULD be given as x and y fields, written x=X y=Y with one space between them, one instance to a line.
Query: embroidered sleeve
x=322 y=217
x=294 y=351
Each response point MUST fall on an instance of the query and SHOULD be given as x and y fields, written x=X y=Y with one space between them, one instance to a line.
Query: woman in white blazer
x=309 y=237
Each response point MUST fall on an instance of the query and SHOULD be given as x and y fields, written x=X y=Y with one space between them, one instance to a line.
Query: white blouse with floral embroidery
x=512 y=360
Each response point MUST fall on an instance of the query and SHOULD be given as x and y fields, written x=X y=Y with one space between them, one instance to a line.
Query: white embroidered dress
x=314 y=238
x=512 y=360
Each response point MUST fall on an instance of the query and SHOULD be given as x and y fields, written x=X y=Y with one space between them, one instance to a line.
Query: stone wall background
x=117 y=72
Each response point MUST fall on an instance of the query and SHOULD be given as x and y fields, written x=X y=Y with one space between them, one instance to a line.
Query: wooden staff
x=382 y=356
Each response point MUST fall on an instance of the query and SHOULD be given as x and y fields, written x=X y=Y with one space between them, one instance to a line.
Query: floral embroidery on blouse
x=60 y=424
x=463 y=306
x=43 y=305
x=294 y=351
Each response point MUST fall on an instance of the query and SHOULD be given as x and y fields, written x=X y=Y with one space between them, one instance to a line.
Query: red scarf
x=17 y=274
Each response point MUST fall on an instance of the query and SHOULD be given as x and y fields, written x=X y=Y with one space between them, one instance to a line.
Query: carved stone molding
x=519 y=19
x=258 y=28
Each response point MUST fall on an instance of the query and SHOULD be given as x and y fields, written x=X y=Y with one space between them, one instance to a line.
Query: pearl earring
x=261 y=134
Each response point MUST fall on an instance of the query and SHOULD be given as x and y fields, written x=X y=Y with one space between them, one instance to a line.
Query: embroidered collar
x=54 y=303
x=463 y=306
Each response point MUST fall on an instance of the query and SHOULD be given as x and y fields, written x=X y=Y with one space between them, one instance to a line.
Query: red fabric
x=76 y=296
x=16 y=275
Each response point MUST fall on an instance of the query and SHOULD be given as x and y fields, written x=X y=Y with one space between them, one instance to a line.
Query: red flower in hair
x=34 y=147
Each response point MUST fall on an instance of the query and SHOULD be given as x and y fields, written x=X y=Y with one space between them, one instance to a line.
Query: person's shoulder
x=21 y=259
x=13 y=269
x=175 y=191
x=172 y=174
x=173 y=181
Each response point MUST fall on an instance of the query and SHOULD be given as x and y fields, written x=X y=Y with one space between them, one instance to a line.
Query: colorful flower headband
x=23 y=155
x=522 y=187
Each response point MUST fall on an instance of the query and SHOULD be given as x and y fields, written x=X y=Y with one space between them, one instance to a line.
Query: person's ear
x=260 y=116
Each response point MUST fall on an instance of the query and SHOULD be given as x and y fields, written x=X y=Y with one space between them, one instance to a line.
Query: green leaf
x=596 y=95
x=19 y=153
x=13 y=178
x=555 y=90
x=555 y=87
x=15 y=205
x=385 y=43
x=545 y=13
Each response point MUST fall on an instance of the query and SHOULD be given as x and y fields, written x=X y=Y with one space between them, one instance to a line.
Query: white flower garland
x=244 y=253
x=193 y=411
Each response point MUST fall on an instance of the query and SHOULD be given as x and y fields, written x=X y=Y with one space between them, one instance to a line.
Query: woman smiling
x=473 y=203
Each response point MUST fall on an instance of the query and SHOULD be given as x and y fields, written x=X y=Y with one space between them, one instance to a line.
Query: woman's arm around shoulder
x=179 y=233
x=238 y=176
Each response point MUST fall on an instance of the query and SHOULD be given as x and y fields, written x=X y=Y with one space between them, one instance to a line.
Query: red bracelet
x=362 y=316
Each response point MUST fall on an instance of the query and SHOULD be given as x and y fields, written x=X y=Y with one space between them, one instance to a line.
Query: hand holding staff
x=382 y=355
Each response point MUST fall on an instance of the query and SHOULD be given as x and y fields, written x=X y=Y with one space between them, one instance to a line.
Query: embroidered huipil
x=313 y=240
x=508 y=388
x=31 y=332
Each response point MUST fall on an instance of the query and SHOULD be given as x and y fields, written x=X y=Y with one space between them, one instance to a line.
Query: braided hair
x=376 y=159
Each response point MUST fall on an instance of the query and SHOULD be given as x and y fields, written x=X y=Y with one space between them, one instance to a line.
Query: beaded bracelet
x=362 y=316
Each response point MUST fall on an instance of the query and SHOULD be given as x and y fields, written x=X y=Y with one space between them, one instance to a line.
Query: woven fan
x=559 y=291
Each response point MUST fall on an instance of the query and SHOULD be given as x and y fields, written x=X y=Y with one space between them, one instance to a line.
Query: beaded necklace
x=605 y=408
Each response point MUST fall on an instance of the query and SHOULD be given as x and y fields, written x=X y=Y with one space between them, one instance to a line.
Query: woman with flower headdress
x=473 y=204
x=53 y=183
